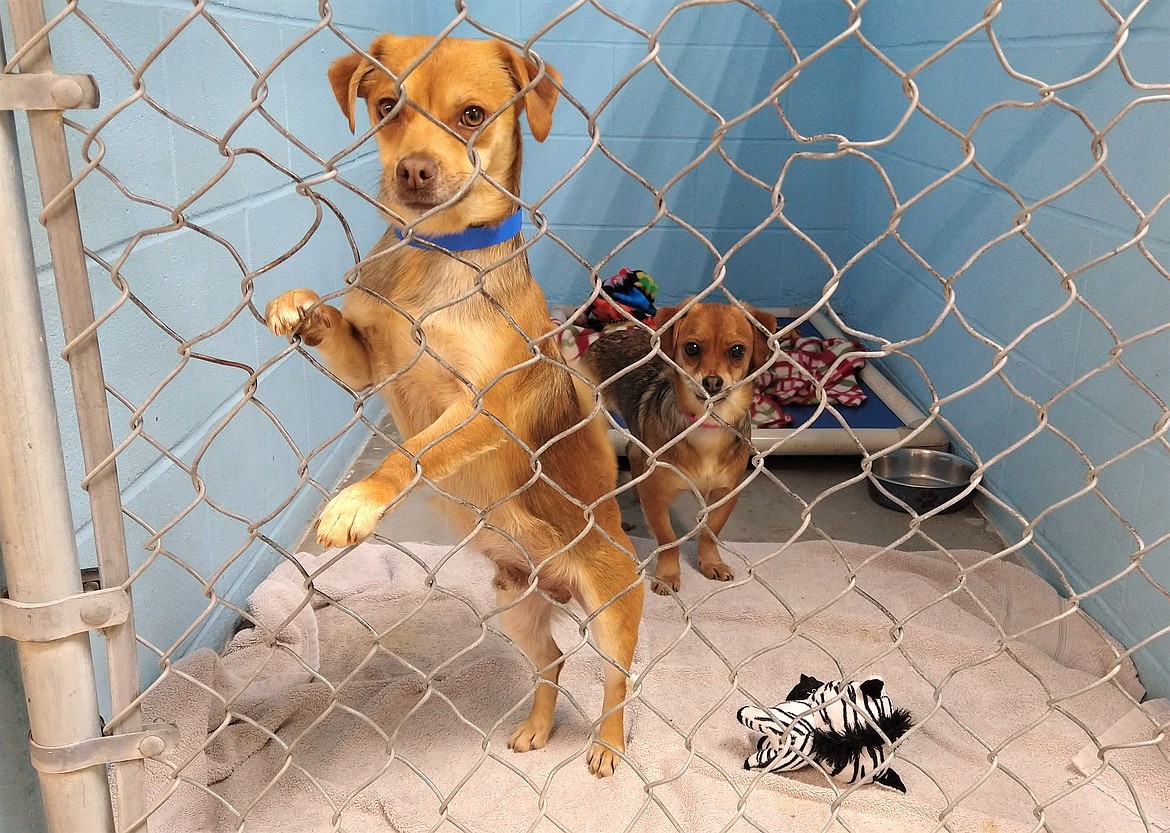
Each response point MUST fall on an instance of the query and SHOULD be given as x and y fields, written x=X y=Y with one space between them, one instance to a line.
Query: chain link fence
x=971 y=194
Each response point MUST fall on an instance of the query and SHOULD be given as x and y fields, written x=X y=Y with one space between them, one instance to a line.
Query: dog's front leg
x=656 y=493
x=459 y=435
x=300 y=312
x=710 y=563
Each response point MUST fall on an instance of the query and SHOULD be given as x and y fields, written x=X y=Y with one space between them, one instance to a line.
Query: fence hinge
x=47 y=91
x=46 y=621
x=154 y=740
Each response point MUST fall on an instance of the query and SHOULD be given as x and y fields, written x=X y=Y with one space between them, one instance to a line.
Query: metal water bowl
x=922 y=478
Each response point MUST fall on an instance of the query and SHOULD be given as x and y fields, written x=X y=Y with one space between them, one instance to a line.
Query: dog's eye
x=736 y=351
x=385 y=106
x=472 y=117
x=691 y=348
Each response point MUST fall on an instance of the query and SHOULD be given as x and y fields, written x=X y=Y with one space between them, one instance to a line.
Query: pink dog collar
x=708 y=423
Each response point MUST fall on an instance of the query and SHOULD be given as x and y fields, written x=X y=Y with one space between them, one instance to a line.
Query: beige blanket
x=384 y=704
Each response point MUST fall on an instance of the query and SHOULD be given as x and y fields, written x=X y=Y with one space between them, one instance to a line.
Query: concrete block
x=133 y=31
x=312 y=114
x=724 y=199
x=626 y=202
x=387 y=16
x=954 y=220
x=1014 y=266
x=823 y=98
x=587 y=24
x=892 y=22
x=945 y=83
x=1032 y=382
x=650 y=99
x=807 y=25
x=214 y=101
x=208 y=180
x=251 y=485
x=1147 y=360
x=773 y=268
x=1105 y=426
x=587 y=74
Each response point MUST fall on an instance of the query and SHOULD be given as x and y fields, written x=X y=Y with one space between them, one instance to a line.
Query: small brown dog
x=473 y=378
x=666 y=409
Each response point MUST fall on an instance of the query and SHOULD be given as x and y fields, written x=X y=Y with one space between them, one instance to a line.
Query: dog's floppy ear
x=541 y=99
x=666 y=336
x=761 y=352
x=345 y=76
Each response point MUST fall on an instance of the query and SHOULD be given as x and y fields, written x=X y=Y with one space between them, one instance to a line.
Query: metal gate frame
x=47 y=613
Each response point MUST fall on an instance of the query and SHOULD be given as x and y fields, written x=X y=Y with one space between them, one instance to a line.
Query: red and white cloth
x=807 y=361
x=792 y=379
x=575 y=339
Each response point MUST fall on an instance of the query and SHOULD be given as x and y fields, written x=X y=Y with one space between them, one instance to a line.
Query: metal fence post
x=66 y=250
x=36 y=525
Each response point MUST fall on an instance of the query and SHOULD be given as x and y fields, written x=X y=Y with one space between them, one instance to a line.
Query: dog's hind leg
x=611 y=592
x=528 y=622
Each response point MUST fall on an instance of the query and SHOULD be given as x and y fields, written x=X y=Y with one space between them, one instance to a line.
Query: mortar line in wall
x=639 y=43
x=264 y=197
x=707 y=231
x=1119 y=428
x=988 y=188
x=333 y=468
x=933 y=289
x=218 y=11
x=189 y=440
x=616 y=136
x=223 y=12
x=213 y=625
x=1021 y=357
x=211 y=215
x=1137 y=33
x=1072 y=574
x=116 y=247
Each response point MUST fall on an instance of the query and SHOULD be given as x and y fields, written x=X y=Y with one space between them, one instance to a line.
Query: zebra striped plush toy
x=847 y=728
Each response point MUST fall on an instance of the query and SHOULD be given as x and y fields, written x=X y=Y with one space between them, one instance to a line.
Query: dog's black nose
x=712 y=384
x=416 y=172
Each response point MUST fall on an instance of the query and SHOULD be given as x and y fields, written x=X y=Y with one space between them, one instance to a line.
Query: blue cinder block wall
x=1071 y=418
x=729 y=57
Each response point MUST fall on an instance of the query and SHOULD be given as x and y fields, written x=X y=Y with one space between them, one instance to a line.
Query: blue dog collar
x=476 y=237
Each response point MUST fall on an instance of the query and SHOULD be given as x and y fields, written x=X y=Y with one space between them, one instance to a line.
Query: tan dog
x=472 y=379
x=716 y=346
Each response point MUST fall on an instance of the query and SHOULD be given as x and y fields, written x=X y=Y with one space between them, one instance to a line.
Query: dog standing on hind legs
x=694 y=415
x=485 y=372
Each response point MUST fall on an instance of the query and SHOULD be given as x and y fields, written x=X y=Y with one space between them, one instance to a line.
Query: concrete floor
x=765 y=511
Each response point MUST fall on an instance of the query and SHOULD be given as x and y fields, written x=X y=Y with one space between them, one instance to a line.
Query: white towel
x=380 y=702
